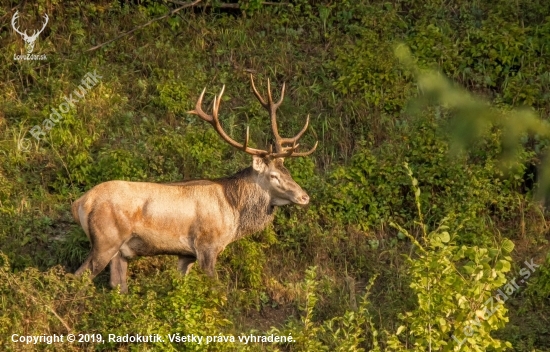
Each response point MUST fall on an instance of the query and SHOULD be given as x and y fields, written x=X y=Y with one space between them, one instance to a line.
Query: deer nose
x=304 y=199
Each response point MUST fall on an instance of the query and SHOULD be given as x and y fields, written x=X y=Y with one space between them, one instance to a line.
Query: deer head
x=272 y=176
x=29 y=40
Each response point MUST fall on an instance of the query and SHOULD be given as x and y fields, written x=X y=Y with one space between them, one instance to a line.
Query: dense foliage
x=408 y=234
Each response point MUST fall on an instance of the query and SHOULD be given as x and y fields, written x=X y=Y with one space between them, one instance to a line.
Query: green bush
x=454 y=286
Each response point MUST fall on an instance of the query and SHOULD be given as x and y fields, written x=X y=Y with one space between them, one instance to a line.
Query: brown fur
x=195 y=220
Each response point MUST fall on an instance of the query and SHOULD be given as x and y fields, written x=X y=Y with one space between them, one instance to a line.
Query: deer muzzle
x=302 y=199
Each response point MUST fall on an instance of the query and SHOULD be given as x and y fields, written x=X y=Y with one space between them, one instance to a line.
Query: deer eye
x=273 y=177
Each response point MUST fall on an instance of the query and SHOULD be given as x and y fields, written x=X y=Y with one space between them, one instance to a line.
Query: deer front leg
x=185 y=263
x=207 y=258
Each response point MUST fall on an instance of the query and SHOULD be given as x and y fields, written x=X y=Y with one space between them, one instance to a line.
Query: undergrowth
x=355 y=270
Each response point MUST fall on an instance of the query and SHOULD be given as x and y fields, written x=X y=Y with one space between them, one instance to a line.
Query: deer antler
x=29 y=40
x=272 y=107
x=280 y=150
x=36 y=33
x=214 y=121
x=13 y=19
x=24 y=34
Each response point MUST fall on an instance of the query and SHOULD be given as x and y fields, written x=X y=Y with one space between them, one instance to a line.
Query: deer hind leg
x=100 y=259
x=96 y=262
x=119 y=267
x=185 y=263
x=107 y=230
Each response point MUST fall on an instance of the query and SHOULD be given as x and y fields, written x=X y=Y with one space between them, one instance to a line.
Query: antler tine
x=45 y=23
x=260 y=98
x=217 y=101
x=279 y=141
x=282 y=96
x=269 y=98
x=305 y=153
x=198 y=109
x=247 y=137
x=298 y=135
x=215 y=122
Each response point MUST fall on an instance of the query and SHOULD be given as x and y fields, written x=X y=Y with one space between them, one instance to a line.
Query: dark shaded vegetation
x=309 y=273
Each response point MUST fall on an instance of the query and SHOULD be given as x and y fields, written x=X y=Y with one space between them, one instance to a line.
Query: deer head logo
x=29 y=40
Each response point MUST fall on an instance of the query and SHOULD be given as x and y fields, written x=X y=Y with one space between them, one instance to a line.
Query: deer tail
x=74 y=209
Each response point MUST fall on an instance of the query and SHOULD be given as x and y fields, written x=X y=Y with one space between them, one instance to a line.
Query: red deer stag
x=194 y=220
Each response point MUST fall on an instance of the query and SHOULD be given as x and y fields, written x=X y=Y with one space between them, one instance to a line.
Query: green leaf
x=503 y=266
x=445 y=237
x=479 y=275
x=507 y=246
x=400 y=329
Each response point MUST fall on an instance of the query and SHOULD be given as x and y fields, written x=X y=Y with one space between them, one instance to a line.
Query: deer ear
x=258 y=163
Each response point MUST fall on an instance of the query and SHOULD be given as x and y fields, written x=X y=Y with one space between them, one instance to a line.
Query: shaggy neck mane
x=249 y=199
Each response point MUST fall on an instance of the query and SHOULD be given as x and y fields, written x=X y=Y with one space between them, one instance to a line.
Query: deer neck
x=250 y=201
